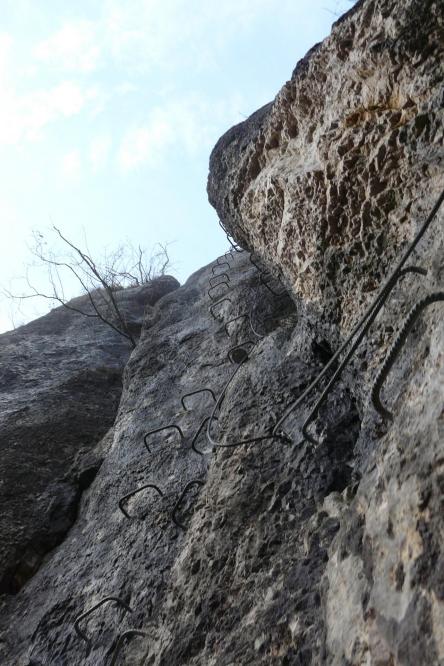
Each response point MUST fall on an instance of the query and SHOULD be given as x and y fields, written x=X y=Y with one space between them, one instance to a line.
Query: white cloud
x=23 y=117
x=6 y=42
x=72 y=48
x=143 y=34
x=189 y=124
x=71 y=165
x=99 y=151
x=146 y=144
x=131 y=38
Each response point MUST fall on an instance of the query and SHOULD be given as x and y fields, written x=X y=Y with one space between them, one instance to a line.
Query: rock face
x=60 y=385
x=332 y=178
x=262 y=544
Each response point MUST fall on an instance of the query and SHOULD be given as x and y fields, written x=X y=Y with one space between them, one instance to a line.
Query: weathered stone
x=293 y=553
x=331 y=179
x=60 y=384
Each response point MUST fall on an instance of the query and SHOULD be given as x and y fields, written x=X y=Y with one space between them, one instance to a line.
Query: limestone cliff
x=237 y=532
x=60 y=385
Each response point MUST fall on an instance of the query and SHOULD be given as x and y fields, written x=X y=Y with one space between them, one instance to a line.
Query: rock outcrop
x=251 y=539
x=329 y=181
x=60 y=386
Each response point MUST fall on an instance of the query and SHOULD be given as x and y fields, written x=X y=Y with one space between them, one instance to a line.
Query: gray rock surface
x=180 y=584
x=291 y=552
x=60 y=385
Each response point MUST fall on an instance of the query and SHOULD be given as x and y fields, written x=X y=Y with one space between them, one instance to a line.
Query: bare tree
x=99 y=280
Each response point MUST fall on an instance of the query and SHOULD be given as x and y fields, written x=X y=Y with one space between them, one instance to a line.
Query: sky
x=109 y=111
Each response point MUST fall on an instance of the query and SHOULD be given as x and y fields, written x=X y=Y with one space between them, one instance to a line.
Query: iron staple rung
x=215 y=277
x=123 y=499
x=81 y=617
x=202 y=390
x=396 y=347
x=224 y=284
x=180 y=500
x=171 y=426
x=224 y=263
x=222 y=300
x=379 y=300
x=364 y=325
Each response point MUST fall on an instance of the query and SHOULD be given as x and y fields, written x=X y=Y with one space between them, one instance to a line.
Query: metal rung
x=172 y=426
x=123 y=499
x=215 y=277
x=179 y=502
x=221 y=284
x=203 y=390
x=224 y=263
x=122 y=638
x=396 y=348
x=81 y=617
x=222 y=300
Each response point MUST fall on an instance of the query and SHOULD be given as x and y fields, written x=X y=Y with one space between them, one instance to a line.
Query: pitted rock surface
x=287 y=552
x=332 y=178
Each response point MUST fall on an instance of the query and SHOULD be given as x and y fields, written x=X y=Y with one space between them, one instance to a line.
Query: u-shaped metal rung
x=123 y=499
x=396 y=348
x=172 y=426
x=244 y=315
x=122 y=638
x=230 y=321
x=221 y=284
x=81 y=617
x=360 y=330
x=203 y=390
x=215 y=277
x=224 y=263
x=222 y=300
x=368 y=317
x=180 y=500
x=222 y=259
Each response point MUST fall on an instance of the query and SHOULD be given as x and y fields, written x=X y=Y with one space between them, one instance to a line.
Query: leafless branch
x=124 y=267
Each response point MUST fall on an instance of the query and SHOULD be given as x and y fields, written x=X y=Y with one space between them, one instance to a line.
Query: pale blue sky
x=109 y=111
